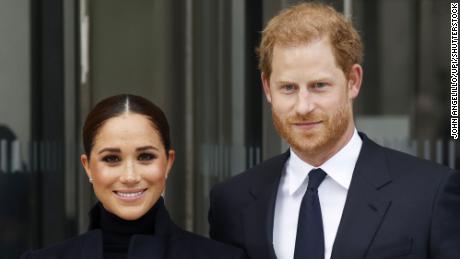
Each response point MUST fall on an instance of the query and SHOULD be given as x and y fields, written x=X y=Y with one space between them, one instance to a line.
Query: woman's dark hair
x=116 y=105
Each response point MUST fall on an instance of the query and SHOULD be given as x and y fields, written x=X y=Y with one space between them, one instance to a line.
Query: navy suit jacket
x=397 y=206
x=168 y=242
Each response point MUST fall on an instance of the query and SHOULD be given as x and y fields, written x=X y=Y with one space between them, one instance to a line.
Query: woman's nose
x=129 y=175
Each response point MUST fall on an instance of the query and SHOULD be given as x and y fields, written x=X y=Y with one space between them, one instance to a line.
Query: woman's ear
x=85 y=162
x=171 y=157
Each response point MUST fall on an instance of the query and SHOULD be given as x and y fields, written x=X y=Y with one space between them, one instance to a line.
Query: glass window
x=404 y=101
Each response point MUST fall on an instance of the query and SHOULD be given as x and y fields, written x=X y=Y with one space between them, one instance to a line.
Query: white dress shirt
x=332 y=195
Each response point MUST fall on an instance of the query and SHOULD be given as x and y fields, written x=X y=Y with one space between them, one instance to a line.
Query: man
x=335 y=193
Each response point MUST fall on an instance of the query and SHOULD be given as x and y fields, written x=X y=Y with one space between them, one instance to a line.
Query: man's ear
x=85 y=162
x=355 y=78
x=266 y=84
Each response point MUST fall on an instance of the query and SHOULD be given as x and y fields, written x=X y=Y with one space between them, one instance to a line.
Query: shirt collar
x=339 y=167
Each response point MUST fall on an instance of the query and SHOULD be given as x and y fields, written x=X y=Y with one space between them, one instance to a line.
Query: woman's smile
x=130 y=195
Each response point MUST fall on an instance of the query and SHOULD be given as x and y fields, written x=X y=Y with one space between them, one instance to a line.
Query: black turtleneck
x=117 y=232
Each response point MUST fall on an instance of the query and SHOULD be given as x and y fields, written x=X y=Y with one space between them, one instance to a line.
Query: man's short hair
x=306 y=22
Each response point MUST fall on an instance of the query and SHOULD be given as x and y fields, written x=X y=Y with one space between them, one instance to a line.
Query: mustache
x=303 y=118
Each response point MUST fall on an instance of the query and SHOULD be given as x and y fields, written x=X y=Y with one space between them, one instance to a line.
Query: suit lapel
x=366 y=204
x=258 y=223
x=259 y=215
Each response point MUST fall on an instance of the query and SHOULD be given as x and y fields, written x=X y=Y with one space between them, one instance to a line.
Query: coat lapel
x=259 y=215
x=366 y=204
x=156 y=246
x=92 y=245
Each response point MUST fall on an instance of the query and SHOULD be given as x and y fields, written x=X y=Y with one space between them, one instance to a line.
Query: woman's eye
x=146 y=157
x=111 y=159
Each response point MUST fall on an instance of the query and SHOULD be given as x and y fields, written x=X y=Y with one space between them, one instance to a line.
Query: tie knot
x=315 y=177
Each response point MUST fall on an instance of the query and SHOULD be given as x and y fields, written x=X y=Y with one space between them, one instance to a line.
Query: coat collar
x=163 y=224
x=372 y=163
x=141 y=246
x=269 y=175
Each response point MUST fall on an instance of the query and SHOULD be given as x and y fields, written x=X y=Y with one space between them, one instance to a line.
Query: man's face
x=311 y=99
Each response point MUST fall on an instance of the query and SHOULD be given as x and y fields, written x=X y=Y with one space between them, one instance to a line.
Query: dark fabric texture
x=117 y=233
x=397 y=206
x=167 y=242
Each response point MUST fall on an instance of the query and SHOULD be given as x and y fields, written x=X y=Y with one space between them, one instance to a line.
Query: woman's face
x=128 y=165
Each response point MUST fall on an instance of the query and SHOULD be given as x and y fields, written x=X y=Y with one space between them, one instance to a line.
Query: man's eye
x=111 y=159
x=288 y=87
x=319 y=85
x=146 y=157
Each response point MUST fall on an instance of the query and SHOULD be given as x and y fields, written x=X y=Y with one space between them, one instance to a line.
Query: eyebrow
x=117 y=150
x=318 y=79
x=146 y=148
x=110 y=149
x=284 y=82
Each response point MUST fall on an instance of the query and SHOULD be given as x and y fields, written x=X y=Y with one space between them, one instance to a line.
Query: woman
x=127 y=159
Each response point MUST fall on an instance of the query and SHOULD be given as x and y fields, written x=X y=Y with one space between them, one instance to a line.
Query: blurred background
x=196 y=59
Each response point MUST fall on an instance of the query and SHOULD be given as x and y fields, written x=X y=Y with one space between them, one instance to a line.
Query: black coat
x=397 y=206
x=168 y=242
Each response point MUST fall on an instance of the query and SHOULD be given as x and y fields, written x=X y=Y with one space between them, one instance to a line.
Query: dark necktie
x=309 y=243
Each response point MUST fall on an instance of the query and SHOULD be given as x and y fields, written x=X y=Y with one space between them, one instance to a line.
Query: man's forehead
x=294 y=44
x=314 y=53
x=319 y=50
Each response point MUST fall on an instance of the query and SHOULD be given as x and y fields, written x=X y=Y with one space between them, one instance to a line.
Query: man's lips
x=306 y=125
x=130 y=195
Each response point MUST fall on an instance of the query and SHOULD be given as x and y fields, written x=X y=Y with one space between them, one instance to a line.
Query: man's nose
x=305 y=102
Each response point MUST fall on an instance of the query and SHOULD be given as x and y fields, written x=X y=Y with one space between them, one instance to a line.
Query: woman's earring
x=90 y=179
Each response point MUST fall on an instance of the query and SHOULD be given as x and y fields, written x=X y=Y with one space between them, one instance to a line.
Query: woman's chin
x=132 y=209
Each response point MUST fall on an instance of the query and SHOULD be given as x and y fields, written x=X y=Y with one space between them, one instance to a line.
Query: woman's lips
x=130 y=195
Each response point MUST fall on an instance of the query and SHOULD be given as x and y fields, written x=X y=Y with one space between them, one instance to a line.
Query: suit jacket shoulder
x=404 y=169
x=252 y=189
x=392 y=205
x=403 y=161
x=253 y=178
